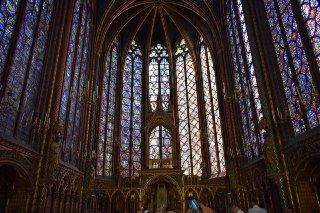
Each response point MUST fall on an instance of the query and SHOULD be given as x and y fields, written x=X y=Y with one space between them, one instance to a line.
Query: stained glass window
x=311 y=13
x=159 y=78
x=107 y=113
x=160 y=145
x=130 y=151
x=8 y=18
x=189 y=129
x=74 y=82
x=247 y=93
x=214 y=131
x=24 y=67
x=296 y=73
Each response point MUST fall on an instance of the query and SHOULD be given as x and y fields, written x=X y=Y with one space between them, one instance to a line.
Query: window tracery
x=159 y=77
x=130 y=150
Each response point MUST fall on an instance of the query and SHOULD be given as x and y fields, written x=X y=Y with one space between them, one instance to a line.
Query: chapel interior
x=115 y=105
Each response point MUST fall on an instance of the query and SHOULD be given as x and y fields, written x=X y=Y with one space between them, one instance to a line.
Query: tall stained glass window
x=294 y=63
x=74 y=82
x=245 y=80
x=21 y=63
x=107 y=110
x=214 y=131
x=189 y=128
x=160 y=145
x=159 y=78
x=130 y=150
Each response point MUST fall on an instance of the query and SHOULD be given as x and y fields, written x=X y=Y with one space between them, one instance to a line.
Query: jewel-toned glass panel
x=70 y=58
x=8 y=18
x=245 y=80
x=159 y=81
x=130 y=150
x=189 y=128
x=76 y=135
x=311 y=13
x=106 y=127
x=214 y=131
x=294 y=66
x=160 y=144
x=18 y=104
x=32 y=81
x=77 y=85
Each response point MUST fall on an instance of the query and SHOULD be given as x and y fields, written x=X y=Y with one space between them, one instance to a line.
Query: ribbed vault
x=159 y=21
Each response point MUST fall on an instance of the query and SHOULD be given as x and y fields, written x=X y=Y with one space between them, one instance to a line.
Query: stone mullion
x=174 y=105
x=271 y=111
x=145 y=108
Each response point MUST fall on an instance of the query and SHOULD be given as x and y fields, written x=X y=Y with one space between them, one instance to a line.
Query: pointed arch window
x=160 y=143
x=24 y=29
x=299 y=78
x=189 y=128
x=130 y=150
x=107 y=113
x=73 y=83
x=248 y=96
x=214 y=131
x=159 y=77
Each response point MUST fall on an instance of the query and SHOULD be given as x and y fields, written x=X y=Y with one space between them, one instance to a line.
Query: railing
x=160 y=163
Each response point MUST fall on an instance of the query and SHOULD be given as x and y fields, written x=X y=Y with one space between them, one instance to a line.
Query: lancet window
x=160 y=143
x=74 y=82
x=295 y=30
x=212 y=112
x=246 y=93
x=21 y=63
x=159 y=77
x=107 y=113
x=130 y=151
x=189 y=128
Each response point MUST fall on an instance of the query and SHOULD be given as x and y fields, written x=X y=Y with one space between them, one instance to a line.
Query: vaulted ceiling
x=157 y=21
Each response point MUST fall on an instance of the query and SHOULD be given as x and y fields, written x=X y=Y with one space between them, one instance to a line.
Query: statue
x=162 y=195
x=53 y=160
